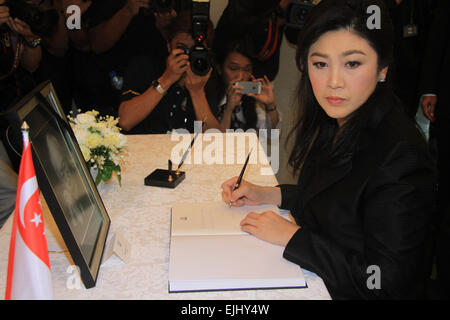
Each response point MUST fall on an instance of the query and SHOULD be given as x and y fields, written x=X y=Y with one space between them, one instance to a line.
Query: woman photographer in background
x=236 y=110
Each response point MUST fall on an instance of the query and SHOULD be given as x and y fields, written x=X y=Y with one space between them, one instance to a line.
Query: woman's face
x=343 y=71
x=236 y=67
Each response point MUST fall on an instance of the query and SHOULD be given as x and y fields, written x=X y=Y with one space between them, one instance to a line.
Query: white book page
x=211 y=218
x=229 y=262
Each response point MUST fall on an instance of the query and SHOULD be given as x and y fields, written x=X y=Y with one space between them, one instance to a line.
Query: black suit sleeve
x=289 y=197
x=395 y=216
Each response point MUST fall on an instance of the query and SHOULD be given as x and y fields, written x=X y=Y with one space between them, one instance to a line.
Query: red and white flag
x=29 y=274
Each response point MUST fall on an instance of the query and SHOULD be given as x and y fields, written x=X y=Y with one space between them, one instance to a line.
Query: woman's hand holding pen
x=249 y=193
x=267 y=226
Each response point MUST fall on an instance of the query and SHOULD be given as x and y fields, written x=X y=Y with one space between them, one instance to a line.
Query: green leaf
x=119 y=176
x=98 y=178
x=107 y=173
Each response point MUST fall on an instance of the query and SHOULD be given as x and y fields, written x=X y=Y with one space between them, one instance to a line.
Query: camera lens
x=200 y=60
x=201 y=65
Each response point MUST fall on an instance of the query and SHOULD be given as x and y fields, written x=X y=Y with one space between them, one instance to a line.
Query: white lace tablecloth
x=142 y=215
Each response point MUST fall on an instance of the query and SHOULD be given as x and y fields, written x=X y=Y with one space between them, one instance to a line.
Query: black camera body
x=41 y=22
x=296 y=13
x=200 y=58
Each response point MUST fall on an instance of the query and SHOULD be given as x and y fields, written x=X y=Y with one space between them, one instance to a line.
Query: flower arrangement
x=102 y=144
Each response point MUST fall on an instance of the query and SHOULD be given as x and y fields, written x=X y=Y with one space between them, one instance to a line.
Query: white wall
x=216 y=8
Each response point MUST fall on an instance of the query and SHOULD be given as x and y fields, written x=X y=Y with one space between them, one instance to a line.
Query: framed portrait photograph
x=64 y=180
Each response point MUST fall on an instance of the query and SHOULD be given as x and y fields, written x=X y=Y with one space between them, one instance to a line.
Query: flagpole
x=25 y=132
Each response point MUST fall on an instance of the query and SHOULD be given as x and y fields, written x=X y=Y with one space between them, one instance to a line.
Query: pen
x=170 y=171
x=241 y=175
x=185 y=154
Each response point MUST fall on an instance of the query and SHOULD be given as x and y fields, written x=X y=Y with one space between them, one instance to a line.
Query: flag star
x=36 y=219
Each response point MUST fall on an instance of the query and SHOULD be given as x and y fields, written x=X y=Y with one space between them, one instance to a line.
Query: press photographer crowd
x=160 y=65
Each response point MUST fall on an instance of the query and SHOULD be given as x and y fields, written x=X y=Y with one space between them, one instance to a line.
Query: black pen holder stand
x=162 y=178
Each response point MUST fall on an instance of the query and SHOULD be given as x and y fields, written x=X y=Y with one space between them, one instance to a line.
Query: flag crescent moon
x=28 y=189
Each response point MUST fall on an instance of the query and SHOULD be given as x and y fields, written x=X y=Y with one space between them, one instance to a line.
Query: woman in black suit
x=365 y=195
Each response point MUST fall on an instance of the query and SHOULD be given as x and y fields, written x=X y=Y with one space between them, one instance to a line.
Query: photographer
x=20 y=56
x=31 y=54
x=156 y=100
x=236 y=110
x=117 y=30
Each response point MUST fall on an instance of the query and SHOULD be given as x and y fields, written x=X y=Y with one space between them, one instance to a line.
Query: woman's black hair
x=318 y=136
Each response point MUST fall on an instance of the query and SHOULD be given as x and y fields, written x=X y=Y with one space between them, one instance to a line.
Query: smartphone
x=249 y=87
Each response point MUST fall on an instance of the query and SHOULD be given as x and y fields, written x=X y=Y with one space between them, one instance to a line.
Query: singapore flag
x=29 y=274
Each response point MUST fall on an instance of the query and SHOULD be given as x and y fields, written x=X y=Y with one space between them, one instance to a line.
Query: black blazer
x=372 y=210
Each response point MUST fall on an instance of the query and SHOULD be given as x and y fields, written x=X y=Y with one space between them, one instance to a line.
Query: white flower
x=85 y=119
x=123 y=141
x=94 y=140
x=92 y=133
x=86 y=152
x=111 y=138
x=81 y=134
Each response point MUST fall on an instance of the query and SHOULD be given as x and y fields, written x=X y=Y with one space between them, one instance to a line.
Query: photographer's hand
x=195 y=83
x=31 y=57
x=133 y=6
x=177 y=64
x=266 y=96
x=21 y=28
x=4 y=13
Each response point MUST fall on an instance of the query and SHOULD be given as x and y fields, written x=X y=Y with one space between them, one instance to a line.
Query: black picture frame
x=48 y=91
x=64 y=179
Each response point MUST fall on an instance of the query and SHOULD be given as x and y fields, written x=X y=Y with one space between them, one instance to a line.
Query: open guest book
x=209 y=252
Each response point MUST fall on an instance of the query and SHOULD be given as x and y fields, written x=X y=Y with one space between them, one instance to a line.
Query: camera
x=41 y=22
x=250 y=87
x=200 y=57
x=296 y=13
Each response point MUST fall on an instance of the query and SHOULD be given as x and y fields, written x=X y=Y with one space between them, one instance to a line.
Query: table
x=142 y=215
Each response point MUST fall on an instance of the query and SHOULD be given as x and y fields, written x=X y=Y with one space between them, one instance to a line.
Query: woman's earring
x=382 y=80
